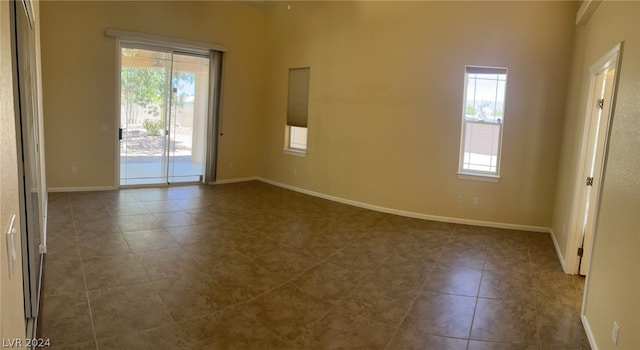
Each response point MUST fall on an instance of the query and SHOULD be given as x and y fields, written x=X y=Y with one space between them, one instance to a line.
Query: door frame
x=575 y=240
x=185 y=46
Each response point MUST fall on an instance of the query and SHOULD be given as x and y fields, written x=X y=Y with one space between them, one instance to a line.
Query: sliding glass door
x=188 y=116
x=163 y=115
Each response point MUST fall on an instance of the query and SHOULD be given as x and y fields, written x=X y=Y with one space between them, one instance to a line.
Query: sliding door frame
x=213 y=51
x=164 y=178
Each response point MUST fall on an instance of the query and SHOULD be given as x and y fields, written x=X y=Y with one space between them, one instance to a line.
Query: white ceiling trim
x=587 y=9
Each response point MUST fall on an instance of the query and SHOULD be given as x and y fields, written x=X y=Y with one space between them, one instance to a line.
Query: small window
x=297 y=110
x=297 y=138
x=482 y=119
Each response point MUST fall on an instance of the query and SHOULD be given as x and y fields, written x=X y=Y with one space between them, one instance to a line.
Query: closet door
x=30 y=145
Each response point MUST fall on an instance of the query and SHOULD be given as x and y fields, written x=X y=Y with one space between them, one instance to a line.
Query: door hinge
x=589 y=181
x=580 y=252
x=120 y=134
x=601 y=103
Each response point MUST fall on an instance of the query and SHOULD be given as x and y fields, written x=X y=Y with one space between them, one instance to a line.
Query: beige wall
x=385 y=99
x=574 y=120
x=11 y=299
x=79 y=71
x=386 y=95
x=613 y=285
x=386 y=92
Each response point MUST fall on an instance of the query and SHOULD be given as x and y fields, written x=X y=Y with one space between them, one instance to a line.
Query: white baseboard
x=81 y=189
x=408 y=213
x=558 y=252
x=587 y=330
x=232 y=181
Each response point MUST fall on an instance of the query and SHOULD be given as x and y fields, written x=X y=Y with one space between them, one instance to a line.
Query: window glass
x=297 y=138
x=482 y=120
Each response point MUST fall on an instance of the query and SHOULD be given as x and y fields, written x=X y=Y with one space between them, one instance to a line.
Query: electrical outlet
x=476 y=201
x=614 y=333
x=74 y=170
x=295 y=171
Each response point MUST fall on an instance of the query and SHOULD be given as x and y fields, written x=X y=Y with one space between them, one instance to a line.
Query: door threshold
x=173 y=184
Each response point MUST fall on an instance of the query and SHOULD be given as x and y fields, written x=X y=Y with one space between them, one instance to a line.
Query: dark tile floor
x=253 y=266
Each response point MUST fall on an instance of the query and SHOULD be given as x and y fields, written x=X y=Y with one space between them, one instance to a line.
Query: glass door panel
x=145 y=78
x=188 y=116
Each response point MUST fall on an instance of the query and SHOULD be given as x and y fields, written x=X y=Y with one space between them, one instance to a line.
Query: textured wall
x=79 y=72
x=613 y=285
x=386 y=89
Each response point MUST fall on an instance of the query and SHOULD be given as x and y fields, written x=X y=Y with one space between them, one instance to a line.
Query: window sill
x=478 y=177
x=295 y=152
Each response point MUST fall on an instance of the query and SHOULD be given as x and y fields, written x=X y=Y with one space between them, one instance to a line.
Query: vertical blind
x=214 y=129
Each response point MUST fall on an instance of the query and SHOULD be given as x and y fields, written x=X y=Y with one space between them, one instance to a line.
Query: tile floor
x=253 y=266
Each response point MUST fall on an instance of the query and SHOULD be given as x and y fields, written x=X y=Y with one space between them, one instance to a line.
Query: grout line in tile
x=166 y=309
x=249 y=300
x=86 y=289
x=291 y=279
x=475 y=309
x=406 y=313
x=535 y=298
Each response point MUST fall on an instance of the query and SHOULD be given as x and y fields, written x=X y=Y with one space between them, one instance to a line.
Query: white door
x=592 y=156
x=595 y=159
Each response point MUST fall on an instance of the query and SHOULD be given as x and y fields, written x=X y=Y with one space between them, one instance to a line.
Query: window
x=482 y=119
x=297 y=110
x=297 y=138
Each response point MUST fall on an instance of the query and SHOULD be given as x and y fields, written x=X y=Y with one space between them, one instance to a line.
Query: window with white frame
x=297 y=110
x=482 y=120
